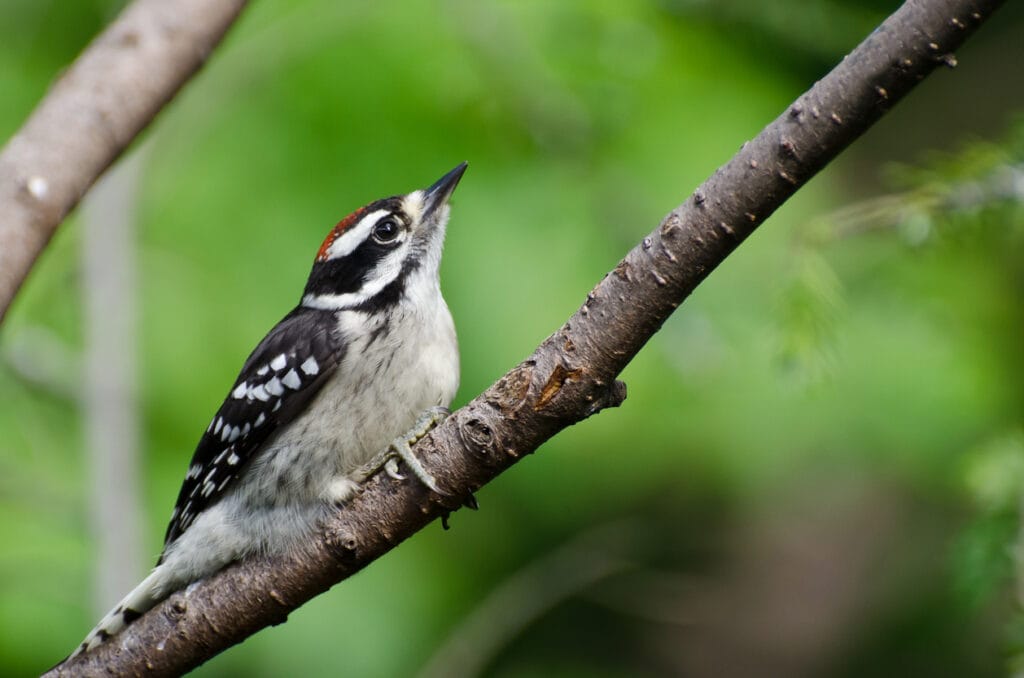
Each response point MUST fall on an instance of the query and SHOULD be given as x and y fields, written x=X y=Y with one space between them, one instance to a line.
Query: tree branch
x=572 y=374
x=92 y=113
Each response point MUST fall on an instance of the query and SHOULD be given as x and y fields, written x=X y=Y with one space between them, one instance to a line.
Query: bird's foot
x=401 y=449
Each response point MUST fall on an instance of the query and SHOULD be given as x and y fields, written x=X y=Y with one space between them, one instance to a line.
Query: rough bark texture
x=572 y=374
x=92 y=113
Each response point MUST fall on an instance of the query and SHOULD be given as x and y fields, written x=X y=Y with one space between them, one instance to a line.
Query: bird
x=343 y=385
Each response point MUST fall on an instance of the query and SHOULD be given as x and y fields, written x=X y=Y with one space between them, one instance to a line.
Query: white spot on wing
x=274 y=387
x=310 y=367
x=279 y=362
x=239 y=391
x=260 y=419
x=291 y=380
x=260 y=393
x=233 y=459
x=235 y=432
x=220 y=423
x=263 y=370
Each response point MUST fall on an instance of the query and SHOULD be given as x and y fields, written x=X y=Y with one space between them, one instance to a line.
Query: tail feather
x=143 y=597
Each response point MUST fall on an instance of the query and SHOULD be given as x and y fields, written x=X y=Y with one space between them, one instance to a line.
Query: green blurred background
x=818 y=469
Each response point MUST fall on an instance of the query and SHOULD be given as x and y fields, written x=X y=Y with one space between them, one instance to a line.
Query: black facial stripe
x=392 y=293
x=349 y=273
x=392 y=204
x=387 y=297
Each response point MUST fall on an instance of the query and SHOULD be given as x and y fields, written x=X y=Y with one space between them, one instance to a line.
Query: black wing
x=276 y=383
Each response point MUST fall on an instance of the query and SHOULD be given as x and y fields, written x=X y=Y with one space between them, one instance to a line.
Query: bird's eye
x=386 y=230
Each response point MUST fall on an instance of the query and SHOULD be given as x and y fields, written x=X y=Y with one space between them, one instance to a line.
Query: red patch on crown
x=337 y=231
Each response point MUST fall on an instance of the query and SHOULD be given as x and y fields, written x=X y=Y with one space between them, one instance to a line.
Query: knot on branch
x=476 y=435
x=177 y=608
x=611 y=395
x=511 y=390
x=343 y=545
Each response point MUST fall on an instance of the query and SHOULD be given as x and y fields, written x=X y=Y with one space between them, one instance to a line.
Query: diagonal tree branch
x=92 y=113
x=572 y=374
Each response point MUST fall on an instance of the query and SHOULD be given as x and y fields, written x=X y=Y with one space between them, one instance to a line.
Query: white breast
x=395 y=368
x=396 y=365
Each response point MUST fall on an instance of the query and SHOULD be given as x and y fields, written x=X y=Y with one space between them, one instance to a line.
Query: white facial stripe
x=412 y=205
x=383 y=275
x=351 y=238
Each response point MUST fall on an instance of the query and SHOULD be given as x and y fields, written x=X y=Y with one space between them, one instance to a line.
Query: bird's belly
x=377 y=394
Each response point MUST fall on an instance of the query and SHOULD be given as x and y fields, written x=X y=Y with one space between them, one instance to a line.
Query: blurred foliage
x=988 y=549
x=818 y=468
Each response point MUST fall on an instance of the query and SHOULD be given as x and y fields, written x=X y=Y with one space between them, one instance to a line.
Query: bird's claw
x=401 y=448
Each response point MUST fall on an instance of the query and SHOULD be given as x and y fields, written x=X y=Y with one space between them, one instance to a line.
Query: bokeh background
x=818 y=469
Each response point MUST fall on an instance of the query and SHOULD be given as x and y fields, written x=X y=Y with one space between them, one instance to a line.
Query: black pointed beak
x=438 y=194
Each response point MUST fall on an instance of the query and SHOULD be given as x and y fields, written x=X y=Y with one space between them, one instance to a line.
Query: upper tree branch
x=572 y=374
x=92 y=113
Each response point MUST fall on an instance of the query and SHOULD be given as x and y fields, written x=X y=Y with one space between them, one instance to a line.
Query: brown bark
x=92 y=113
x=572 y=374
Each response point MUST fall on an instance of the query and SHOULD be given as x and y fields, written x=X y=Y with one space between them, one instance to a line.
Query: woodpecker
x=368 y=353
